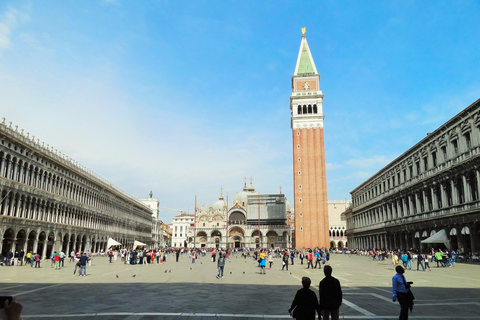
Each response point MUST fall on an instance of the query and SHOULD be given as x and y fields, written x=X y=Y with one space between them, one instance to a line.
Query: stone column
x=44 y=249
x=467 y=193
x=10 y=204
x=434 y=199
x=2 y=167
x=14 y=244
x=410 y=204
x=14 y=171
x=454 y=192
x=425 y=201
x=35 y=244
x=477 y=174
x=443 y=194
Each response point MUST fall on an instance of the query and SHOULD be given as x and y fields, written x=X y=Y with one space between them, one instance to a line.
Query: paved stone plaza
x=191 y=291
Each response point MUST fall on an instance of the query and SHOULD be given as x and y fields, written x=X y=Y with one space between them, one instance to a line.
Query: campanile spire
x=309 y=173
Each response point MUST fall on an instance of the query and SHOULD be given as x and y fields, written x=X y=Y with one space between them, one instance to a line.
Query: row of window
x=307 y=109
x=21 y=171
x=414 y=166
x=462 y=189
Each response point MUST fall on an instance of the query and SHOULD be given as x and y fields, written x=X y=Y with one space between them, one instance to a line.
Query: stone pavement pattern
x=191 y=291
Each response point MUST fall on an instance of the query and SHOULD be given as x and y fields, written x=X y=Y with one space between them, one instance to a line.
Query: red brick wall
x=313 y=178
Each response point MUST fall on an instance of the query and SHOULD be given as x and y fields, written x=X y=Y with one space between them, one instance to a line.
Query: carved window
x=468 y=141
x=455 y=146
x=444 y=153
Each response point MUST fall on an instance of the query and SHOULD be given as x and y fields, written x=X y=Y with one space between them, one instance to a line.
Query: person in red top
x=57 y=261
x=310 y=259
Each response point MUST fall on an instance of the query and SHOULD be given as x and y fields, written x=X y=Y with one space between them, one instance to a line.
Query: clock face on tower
x=306 y=86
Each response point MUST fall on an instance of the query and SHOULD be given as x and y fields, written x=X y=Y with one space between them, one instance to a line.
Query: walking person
x=409 y=258
x=37 y=260
x=29 y=258
x=318 y=258
x=285 y=260
x=420 y=261
x=220 y=265
x=62 y=258
x=310 y=259
x=330 y=295
x=262 y=262
x=427 y=263
x=21 y=256
x=270 y=260
x=305 y=303
x=301 y=256
x=194 y=256
x=292 y=256
x=83 y=264
x=57 y=261
x=400 y=293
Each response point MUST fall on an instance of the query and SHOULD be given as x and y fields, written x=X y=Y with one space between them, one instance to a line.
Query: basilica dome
x=219 y=205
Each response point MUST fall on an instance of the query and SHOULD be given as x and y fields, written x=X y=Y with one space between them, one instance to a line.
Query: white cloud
x=9 y=21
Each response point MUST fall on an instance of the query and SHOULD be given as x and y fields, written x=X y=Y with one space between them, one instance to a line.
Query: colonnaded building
x=251 y=220
x=428 y=196
x=50 y=202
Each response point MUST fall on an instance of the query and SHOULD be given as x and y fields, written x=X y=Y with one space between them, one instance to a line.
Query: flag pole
x=195 y=224
x=259 y=235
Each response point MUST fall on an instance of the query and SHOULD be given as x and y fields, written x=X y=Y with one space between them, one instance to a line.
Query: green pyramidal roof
x=305 y=64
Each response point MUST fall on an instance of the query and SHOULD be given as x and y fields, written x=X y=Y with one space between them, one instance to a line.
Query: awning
x=438 y=237
x=138 y=244
x=112 y=243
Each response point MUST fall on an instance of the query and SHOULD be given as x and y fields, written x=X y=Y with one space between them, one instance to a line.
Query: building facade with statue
x=159 y=232
x=251 y=220
x=49 y=202
x=428 y=196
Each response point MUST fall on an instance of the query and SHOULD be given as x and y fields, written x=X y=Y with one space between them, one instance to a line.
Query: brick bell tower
x=309 y=173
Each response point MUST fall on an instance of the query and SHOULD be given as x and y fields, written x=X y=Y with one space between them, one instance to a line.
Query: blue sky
x=181 y=97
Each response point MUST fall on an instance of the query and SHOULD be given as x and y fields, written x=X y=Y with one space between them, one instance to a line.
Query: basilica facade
x=251 y=220
x=49 y=202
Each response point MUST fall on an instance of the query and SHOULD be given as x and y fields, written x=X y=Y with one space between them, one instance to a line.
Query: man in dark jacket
x=330 y=295
x=305 y=302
